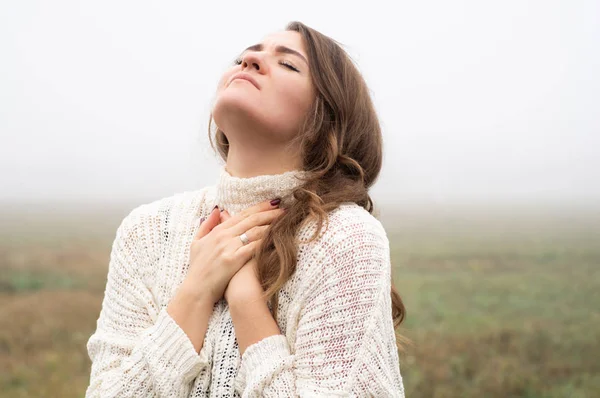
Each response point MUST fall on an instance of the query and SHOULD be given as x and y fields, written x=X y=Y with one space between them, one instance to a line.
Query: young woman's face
x=267 y=89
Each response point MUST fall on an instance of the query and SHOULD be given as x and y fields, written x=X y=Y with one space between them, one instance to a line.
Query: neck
x=253 y=153
x=255 y=172
x=238 y=193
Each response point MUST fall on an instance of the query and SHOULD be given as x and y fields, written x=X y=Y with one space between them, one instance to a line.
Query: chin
x=234 y=108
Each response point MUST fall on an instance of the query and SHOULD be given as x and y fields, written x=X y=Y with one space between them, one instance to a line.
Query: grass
x=500 y=306
x=501 y=303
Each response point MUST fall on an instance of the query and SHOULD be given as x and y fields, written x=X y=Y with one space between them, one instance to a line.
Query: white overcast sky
x=479 y=100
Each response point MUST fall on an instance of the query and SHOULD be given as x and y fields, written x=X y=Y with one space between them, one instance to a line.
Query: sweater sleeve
x=138 y=350
x=345 y=341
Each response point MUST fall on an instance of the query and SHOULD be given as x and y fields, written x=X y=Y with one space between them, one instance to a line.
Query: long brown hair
x=341 y=149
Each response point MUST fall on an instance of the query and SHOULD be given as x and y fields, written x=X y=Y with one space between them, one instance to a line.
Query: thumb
x=207 y=225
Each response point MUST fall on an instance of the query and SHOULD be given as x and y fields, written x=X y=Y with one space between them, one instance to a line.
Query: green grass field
x=502 y=302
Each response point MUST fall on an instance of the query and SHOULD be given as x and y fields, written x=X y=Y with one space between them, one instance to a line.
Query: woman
x=283 y=287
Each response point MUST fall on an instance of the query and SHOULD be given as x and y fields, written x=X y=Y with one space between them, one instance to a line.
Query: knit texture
x=334 y=313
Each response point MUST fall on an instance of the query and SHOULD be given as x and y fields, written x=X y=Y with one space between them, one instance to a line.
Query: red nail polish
x=275 y=202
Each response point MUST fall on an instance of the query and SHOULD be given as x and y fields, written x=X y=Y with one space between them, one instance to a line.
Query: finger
x=225 y=216
x=246 y=252
x=253 y=235
x=257 y=219
x=257 y=208
x=209 y=223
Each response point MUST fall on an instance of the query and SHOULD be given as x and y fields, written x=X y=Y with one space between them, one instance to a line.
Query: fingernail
x=275 y=202
x=202 y=220
x=216 y=207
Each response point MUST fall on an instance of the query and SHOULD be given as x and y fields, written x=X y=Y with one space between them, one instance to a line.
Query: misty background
x=489 y=193
x=480 y=102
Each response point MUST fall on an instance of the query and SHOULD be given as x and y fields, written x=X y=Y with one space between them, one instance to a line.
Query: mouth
x=245 y=76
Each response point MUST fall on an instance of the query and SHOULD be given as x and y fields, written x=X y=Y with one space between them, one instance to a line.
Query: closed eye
x=238 y=61
x=289 y=66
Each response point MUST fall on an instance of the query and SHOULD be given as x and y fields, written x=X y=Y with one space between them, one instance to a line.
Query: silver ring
x=244 y=238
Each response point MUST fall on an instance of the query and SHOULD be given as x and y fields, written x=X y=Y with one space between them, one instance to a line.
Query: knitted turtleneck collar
x=235 y=193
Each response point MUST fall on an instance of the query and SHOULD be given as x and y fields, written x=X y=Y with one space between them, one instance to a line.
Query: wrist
x=194 y=297
x=191 y=313
x=253 y=322
x=185 y=307
x=246 y=302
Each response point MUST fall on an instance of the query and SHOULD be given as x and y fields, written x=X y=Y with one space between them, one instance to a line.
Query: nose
x=253 y=60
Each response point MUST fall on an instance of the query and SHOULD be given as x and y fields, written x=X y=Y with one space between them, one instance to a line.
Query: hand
x=217 y=253
x=244 y=285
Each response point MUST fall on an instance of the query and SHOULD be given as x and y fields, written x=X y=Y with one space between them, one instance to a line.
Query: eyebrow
x=278 y=49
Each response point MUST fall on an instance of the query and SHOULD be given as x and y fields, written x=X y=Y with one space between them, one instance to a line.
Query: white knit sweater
x=334 y=313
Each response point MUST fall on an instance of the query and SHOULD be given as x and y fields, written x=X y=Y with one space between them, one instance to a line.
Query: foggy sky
x=478 y=100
